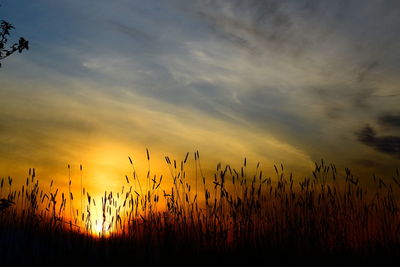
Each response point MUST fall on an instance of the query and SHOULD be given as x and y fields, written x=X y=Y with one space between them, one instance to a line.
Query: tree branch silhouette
x=6 y=51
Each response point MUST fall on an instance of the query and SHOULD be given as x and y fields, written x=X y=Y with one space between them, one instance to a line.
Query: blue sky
x=276 y=81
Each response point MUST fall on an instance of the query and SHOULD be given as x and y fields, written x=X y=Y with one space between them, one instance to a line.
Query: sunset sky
x=275 y=81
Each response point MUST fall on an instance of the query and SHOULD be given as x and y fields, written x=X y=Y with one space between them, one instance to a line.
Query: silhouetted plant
x=6 y=51
x=5 y=203
x=239 y=214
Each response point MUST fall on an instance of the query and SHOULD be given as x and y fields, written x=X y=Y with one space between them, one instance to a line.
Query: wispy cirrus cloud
x=296 y=77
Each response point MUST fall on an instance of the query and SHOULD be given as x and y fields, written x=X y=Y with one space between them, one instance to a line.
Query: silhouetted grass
x=231 y=218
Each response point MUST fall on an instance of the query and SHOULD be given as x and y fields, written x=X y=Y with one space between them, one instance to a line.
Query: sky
x=285 y=81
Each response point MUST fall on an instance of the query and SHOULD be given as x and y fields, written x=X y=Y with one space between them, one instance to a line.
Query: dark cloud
x=386 y=144
x=366 y=135
x=389 y=121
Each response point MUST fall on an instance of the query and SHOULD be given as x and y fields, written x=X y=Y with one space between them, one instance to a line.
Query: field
x=239 y=216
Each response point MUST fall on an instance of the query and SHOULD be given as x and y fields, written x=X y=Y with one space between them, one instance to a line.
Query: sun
x=98 y=228
x=101 y=230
